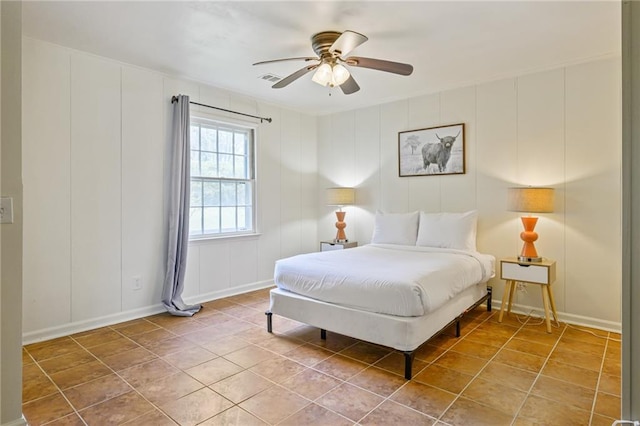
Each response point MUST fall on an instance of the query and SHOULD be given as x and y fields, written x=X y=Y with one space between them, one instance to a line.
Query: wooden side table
x=542 y=273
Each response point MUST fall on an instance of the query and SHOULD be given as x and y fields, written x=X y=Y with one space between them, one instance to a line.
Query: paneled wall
x=560 y=128
x=95 y=144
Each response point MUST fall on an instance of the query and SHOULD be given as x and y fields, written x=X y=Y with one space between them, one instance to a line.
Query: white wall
x=560 y=128
x=95 y=139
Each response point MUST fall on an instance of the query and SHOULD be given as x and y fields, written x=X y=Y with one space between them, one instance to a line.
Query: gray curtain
x=179 y=193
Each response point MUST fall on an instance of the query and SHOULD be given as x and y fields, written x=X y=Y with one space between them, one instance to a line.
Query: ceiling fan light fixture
x=340 y=74
x=323 y=75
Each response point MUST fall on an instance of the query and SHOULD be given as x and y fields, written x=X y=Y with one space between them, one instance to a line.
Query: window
x=222 y=179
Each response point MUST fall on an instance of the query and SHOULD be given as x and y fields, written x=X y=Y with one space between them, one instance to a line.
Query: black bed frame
x=409 y=355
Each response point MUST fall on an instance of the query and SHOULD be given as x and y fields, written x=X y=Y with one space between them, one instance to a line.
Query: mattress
x=383 y=278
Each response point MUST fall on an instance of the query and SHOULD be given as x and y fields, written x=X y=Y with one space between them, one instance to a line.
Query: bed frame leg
x=323 y=334
x=408 y=362
x=458 y=327
x=489 y=294
x=269 y=321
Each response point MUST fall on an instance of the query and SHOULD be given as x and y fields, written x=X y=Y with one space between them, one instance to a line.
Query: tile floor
x=221 y=367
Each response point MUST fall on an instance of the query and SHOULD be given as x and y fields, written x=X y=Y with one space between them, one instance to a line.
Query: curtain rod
x=268 y=120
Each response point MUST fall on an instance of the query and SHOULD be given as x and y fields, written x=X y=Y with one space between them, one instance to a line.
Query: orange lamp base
x=341 y=237
x=529 y=253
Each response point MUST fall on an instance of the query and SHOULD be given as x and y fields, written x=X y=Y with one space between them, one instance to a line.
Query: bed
x=398 y=291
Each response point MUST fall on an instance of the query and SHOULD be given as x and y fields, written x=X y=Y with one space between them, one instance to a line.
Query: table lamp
x=340 y=197
x=530 y=200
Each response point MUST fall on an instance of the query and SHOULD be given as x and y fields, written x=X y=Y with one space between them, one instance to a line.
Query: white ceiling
x=450 y=44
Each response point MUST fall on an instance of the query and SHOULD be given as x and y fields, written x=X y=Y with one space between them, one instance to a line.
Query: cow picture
x=432 y=151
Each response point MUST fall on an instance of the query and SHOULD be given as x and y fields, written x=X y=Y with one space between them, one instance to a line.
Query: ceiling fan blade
x=293 y=77
x=288 y=59
x=380 y=65
x=347 y=41
x=350 y=86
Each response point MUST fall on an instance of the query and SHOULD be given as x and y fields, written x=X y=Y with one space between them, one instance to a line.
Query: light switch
x=6 y=210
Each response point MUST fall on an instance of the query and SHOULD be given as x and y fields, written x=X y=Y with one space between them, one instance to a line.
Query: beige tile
x=151 y=418
x=366 y=352
x=315 y=415
x=464 y=409
x=117 y=410
x=520 y=360
x=196 y=407
x=225 y=345
x=461 y=362
x=189 y=357
x=378 y=381
x=341 y=367
x=96 y=391
x=63 y=362
x=97 y=337
x=495 y=395
x=80 y=374
x=234 y=416
x=35 y=383
x=124 y=360
x=170 y=388
x=274 y=404
x=241 y=386
x=475 y=349
x=213 y=371
x=309 y=354
x=424 y=398
x=311 y=384
x=510 y=376
x=46 y=409
x=113 y=347
x=559 y=390
x=249 y=356
x=391 y=413
x=350 y=401
x=610 y=384
x=135 y=327
x=528 y=347
x=444 y=378
x=570 y=373
x=278 y=369
x=53 y=348
x=548 y=412
x=608 y=405
x=142 y=374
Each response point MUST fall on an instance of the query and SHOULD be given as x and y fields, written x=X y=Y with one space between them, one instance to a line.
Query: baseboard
x=219 y=294
x=564 y=317
x=79 y=326
x=17 y=422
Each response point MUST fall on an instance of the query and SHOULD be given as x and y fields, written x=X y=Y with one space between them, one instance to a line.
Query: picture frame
x=432 y=151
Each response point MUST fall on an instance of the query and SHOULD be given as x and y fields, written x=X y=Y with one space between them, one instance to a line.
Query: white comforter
x=385 y=278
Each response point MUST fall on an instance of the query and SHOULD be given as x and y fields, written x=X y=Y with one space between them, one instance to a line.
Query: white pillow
x=448 y=230
x=395 y=228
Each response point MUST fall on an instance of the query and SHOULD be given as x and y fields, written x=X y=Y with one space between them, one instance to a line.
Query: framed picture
x=432 y=151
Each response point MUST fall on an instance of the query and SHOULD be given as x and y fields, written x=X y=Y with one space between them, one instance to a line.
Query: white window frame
x=251 y=180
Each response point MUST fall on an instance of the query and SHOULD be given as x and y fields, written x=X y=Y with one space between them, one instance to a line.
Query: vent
x=270 y=77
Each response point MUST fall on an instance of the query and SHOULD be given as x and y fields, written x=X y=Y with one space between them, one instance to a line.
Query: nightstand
x=541 y=273
x=330 y=245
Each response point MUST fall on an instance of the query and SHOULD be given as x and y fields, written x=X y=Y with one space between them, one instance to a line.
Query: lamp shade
x=531 y=200
x=340 y=196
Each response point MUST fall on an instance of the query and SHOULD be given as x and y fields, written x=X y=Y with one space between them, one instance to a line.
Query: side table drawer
x=530 y=273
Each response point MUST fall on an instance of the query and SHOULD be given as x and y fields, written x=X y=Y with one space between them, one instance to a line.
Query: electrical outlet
x=522 y=287
x=137 y=282
x=6 y=210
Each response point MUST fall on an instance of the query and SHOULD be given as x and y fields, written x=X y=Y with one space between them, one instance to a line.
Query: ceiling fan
x=331 y=48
